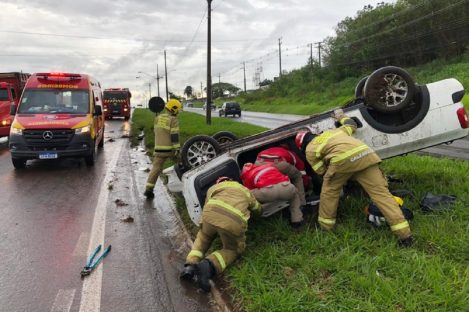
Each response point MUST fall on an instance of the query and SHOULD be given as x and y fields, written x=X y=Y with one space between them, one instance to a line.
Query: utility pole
x=311 y=55
x=319 y=53
x=149 y=88
x=244 y=70
x=280 y=55
x=209 y=65
x=219 y=85
x=166 y=76
x=158 y=80
x=201 y=90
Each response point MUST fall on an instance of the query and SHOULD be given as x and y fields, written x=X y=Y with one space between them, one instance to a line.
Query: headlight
x=85 y=129
x=14 y=130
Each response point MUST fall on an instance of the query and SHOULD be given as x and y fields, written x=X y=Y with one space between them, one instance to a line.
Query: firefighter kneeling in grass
x=226 y=212
x=340 y=157
x=166 y=142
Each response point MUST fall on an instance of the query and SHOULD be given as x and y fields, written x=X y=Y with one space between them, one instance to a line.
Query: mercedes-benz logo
x=47 y=135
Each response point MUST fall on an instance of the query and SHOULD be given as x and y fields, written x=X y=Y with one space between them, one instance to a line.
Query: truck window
x=13 y=93
x=4 y=95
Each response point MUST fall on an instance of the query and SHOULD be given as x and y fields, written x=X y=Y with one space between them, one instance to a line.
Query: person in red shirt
x=268 y=184
x=287 y=163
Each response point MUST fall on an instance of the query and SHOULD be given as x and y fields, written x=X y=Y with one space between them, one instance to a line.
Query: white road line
x=91 y=292
x=80 y=247
x=63 y=301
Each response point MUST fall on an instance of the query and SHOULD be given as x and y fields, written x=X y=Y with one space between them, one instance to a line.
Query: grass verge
x=357 y=267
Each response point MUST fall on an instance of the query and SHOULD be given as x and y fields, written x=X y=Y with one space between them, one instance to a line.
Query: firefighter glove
x=375 y=220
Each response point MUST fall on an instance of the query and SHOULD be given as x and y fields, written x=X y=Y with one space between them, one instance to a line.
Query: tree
x=188 y=91
x=265 y=82
x=219 y=89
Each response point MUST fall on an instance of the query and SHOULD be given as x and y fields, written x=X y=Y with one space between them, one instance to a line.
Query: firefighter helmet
x=302 y=137
x=174 y=106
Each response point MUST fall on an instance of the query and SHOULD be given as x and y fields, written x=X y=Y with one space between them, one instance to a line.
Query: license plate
x=115 y=112
x=48 y=156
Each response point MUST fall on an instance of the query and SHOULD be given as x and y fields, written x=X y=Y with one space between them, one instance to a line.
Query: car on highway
x=230 y=108
x=397 y=116
x=212 y=106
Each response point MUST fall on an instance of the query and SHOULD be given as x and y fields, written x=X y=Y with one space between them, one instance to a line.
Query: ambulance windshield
x=50 y=101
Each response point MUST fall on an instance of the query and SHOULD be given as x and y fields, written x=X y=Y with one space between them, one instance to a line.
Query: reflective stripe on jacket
x=337 y=147
x=262 y=176
x=229 y=205
x=166 y=132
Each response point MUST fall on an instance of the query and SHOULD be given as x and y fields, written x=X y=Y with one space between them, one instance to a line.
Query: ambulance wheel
x=91 y=158
x=198 y=150
x=19 y=163
x=101 y=143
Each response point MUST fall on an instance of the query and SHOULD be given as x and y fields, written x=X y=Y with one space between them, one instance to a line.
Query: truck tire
x=224 y=137
x=389 y=89
x=198 y=150
x=19 y=163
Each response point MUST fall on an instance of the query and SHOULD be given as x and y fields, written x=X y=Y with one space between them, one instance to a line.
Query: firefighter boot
x=188 y=272
x=205 y=271
x=149 y=194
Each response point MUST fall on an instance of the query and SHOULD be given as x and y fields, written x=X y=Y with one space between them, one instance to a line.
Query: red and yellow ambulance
x=59 y=115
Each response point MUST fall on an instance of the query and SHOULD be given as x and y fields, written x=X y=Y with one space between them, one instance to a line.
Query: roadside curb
x=216 y=294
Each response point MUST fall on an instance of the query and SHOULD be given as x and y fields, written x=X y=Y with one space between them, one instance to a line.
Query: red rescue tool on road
x=11 y=86
x=117 y=103
x=59 y=115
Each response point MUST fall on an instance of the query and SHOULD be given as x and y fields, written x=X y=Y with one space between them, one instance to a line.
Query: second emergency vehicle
x=117 y=103
x=11 y=86
x=59 y=115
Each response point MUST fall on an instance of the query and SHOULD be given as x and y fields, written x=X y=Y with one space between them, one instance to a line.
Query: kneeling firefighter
x=340 y=157
x=226 y=212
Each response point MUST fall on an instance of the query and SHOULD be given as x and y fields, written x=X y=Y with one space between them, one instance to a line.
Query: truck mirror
x=12 y=109
x=98 y=111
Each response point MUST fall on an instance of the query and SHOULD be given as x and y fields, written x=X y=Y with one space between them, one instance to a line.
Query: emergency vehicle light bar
x=60 y=75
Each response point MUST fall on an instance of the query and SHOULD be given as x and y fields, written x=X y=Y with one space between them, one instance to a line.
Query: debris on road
x=110 y=140
x=125 y=136
x=141 y=136
x=120 y=203
x=110 y=186
x=128 y=219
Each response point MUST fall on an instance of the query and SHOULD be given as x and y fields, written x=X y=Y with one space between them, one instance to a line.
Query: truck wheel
x=19 y=163
x=91 y=158
x=223 y=137
x=389 y=89
x=101 y=143
x=198 y=150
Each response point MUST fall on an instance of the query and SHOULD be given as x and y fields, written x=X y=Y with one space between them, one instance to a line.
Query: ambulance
x=59 y=115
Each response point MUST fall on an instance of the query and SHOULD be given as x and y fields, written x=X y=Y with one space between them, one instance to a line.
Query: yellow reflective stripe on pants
x=164 y=147
x=399 y=226
x=150 y=185
x=230 y=208
x=220 y=259
x=326 y=221
x=349 y=153
x=196 y=253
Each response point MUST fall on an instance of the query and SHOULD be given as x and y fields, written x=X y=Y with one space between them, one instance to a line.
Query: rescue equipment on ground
x=376 y=218
x=430 y=202
x=92 y=263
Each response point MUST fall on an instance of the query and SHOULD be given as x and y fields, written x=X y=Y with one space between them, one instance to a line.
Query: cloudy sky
x=115 y=40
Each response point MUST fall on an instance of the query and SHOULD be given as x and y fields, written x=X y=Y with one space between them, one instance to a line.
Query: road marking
x=91 y=291
x=80 y=247
x=63 y=301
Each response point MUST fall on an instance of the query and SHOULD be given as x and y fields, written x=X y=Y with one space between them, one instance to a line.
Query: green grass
x=359 y=267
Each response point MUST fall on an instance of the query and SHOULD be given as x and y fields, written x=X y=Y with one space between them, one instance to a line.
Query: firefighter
x=166 y=142
x=287 y=163
x=340 y=157
x=268 y=184
x=226 y=212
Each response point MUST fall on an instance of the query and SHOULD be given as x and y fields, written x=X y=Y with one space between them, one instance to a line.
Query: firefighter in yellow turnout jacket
x=226 y=212
x=166 y=142
x=340 y=157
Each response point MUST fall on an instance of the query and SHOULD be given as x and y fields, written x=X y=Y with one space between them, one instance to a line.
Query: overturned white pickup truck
x=398 y=116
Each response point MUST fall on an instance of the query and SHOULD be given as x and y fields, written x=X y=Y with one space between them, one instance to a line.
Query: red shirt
x=273 y=153
x=262 y=176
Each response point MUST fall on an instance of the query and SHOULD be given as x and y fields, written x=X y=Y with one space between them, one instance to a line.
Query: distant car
x=212 y=106
x=189 y=104
x=230 y=108
x=397 y=116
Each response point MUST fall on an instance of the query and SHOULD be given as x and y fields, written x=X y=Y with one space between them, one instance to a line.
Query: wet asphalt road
x=54 y=213
x=458 y=149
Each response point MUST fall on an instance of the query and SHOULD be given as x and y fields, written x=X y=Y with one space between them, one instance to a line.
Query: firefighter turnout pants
x=278 y=192
x=374 y=183
x=233 y=246
x=157 y=168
